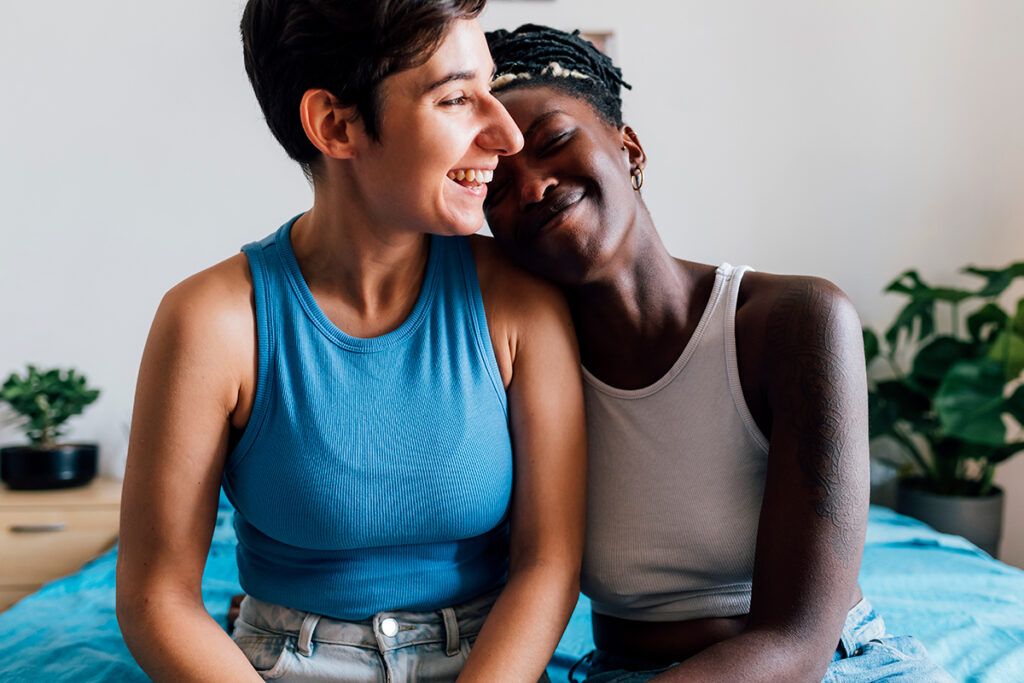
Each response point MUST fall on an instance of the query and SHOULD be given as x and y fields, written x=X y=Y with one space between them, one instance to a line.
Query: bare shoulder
x=773 y=309
x=509 y=286
x=520 y=307
x=207 y=321
x=215 y=300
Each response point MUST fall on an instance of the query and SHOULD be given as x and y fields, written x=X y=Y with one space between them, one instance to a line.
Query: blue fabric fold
x=967 y=608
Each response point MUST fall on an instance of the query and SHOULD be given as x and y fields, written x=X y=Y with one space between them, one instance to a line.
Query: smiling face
x=564 y=205
x=441 y=133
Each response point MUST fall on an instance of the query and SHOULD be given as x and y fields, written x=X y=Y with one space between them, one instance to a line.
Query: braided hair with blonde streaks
x=534 y=55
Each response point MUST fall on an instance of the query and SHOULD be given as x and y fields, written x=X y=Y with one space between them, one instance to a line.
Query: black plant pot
x=28 y=468
x=979 y=519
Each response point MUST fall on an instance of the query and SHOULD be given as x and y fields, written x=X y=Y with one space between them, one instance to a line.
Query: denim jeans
x=293 y=646
x=865 y=654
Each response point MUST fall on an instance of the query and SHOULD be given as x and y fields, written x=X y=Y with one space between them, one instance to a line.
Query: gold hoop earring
x=636 y=179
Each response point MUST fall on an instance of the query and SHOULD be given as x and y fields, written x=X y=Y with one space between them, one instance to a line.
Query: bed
x=967 y=608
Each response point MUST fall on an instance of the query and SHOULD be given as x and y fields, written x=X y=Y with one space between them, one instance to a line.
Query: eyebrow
x=455 y=76
x=539 y=120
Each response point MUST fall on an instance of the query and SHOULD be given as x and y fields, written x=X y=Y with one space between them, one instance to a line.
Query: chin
x=460 y=226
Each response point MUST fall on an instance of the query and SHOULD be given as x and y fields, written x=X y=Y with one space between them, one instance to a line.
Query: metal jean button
x=389 y=627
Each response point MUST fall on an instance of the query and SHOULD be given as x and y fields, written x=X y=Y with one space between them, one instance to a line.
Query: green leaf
x=970 y=402
x=911 y=284
x=986 y=322
x=46 y=400
x=882 y=415
x=1018 y=319
x=1004 y=453
x=934 y=360
x=998 y=280
x=1015 y=404
x=871 y=346
x=1008 y=351
x=917 y=310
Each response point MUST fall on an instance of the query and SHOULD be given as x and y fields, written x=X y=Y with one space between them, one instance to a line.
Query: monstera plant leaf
x=970 y=402
x=986 y=322
x=998 y=280
x=1008 y=351
x=1008 y=347
x=934 y=361
x=871 y=345
x=921 y=308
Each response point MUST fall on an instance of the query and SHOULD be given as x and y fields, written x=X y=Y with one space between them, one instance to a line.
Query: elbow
x=127 y=609
x=799 y=655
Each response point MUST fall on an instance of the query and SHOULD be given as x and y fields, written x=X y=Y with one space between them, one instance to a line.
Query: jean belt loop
x=847 y=642
x=451 y=631
x=305 y=643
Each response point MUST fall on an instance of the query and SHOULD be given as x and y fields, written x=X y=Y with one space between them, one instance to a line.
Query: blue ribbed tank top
x=374 y=473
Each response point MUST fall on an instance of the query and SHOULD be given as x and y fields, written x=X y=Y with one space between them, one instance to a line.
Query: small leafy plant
x=948 y=394
x=46 y=400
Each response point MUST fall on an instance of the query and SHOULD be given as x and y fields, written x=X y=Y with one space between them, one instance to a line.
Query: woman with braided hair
x=726 y=410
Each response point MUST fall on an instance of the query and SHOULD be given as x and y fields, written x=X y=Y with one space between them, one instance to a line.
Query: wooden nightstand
x=47 y=534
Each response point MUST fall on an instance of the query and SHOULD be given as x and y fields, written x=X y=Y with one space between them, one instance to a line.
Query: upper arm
x=548 y=434
x=535 y=343
x=813 y=516
x=187 y=388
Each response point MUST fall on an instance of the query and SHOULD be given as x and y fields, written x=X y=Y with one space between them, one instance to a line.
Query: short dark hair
x=346 y=47
x=535 y=55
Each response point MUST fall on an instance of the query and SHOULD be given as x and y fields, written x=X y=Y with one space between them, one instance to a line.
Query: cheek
x=425 y=150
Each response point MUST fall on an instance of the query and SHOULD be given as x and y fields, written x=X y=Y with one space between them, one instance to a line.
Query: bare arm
x=814 y=513
x=546 y=411
x=186 y=392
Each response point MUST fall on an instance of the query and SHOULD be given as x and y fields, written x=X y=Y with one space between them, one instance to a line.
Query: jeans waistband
x=384 y=631
x=862 y=625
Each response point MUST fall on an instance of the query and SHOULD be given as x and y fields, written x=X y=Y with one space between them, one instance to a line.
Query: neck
x=634 y=319
x=348 y=254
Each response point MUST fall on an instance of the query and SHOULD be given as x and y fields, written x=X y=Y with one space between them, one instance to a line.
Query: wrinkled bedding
x=967 y=608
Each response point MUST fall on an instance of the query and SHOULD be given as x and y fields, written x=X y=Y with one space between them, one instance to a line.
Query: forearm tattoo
x=812 y=383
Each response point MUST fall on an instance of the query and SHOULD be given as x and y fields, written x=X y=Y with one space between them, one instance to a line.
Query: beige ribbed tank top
x=676 y=476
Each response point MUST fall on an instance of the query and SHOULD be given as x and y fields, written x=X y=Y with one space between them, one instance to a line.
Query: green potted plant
x=951 y=398
x=45 y=400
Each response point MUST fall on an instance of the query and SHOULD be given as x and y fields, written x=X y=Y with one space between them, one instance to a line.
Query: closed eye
x=555 y=141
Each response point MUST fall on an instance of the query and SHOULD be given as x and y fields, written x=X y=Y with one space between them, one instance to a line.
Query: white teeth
x=472 y=175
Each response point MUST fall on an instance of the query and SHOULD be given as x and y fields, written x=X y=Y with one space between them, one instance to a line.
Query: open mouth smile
x=552 y=212
x=473 y=180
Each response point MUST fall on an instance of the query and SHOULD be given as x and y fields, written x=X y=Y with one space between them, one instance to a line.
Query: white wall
x=845 y=139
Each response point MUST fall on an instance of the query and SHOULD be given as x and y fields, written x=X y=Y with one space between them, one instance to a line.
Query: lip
x=552 y=212
x=478 y=192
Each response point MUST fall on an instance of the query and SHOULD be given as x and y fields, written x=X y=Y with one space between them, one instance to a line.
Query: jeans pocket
x=268 y=654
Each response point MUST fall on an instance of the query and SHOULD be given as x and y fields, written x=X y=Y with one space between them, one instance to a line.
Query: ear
x=333 y=129
x=631 y=143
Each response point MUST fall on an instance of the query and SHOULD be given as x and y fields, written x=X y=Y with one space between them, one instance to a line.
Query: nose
x=534 y=186
x=500 y=133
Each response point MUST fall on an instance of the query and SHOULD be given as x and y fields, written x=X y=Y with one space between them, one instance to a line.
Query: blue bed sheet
x=967 y=608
